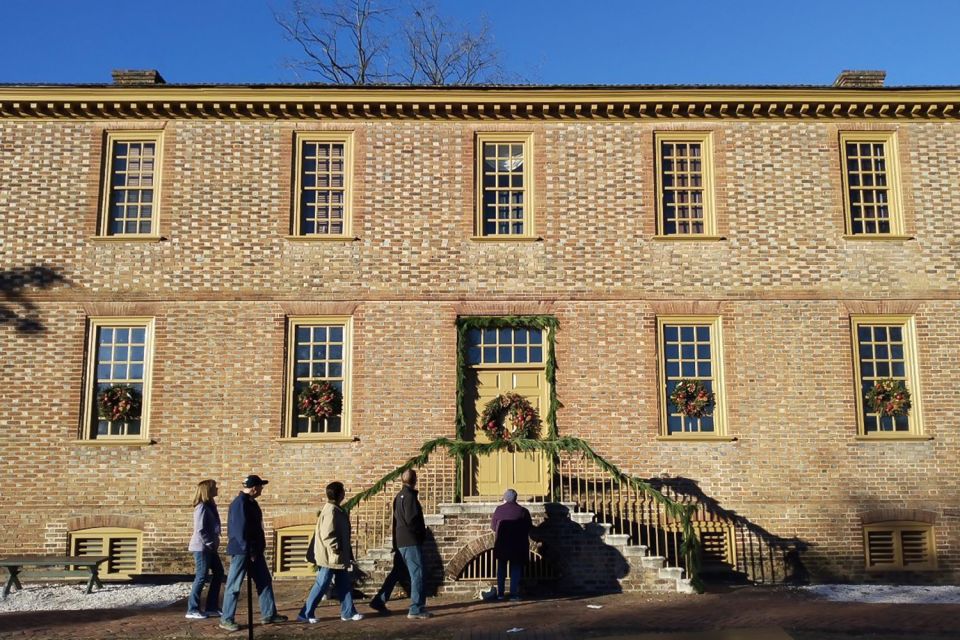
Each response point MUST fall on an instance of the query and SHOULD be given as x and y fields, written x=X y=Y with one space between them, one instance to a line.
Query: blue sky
x=558 y=41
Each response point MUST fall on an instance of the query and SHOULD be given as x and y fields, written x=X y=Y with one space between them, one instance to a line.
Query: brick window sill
x=115 y=442
x=319 y=238
x=130 y=238
x=506 y=238
x=903 y=438
x=688 y=238
x=697 y=438
x=316 y=440
x=878 y=237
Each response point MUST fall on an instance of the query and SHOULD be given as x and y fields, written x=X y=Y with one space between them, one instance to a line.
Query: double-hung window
x=691 y=350
x=131 y=193
x=685 y=184
x=323 y=196
x=318 y=349
x=505 y=186
x=120 y=359
x=870 y=184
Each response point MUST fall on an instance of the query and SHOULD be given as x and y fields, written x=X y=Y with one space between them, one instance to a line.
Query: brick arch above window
x=114 y=521
x=898 y=515
x=295 y=519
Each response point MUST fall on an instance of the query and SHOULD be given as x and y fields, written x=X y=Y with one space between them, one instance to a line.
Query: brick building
x=216 y=247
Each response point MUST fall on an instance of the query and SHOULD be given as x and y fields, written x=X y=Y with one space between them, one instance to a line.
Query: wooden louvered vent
x=899 y=545
x=122 y=546
x=291 y=551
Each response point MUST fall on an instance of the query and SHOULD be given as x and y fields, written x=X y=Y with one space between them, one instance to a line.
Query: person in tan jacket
x=333 y=556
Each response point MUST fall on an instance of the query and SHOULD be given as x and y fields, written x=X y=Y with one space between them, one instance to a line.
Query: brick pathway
x=728 y=614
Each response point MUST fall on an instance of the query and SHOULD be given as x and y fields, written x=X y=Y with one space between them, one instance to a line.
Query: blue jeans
x=413 y=564
x=261 y=578
x=516 y=573
x=343 y=589
x=206 y=560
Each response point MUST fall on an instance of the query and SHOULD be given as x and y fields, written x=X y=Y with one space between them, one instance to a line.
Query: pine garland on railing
x=460 y=449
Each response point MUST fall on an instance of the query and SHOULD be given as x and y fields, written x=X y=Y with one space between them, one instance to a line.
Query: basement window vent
x=899 y=546
x=291 y=551
x=123 y=547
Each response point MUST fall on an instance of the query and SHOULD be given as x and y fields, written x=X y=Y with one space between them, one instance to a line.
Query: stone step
x=434 y=519
x=675 y=573
x=617 y=539
x=653 y=562
x=635 y=550
x=582 y=517
x=384 y=553
x=684 y=586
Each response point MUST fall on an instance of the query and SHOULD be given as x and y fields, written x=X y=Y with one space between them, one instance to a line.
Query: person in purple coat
x=511 y=523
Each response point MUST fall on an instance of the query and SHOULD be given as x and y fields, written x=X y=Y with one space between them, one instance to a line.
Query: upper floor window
x=691 y=350
x=323 y=185
x=870 y=183
x=319 y=349
x=505 y=193
x=685 y=184
x=131 y=184
x=119 y=366
x=885 y=349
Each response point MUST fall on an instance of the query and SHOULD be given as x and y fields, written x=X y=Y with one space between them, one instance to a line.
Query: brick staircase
x=585 y=555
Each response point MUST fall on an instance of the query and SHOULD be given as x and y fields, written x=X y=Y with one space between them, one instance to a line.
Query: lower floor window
x=318 y=351
x=123 y=547
x=690 y=351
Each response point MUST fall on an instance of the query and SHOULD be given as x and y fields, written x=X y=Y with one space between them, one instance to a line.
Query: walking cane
x=249 y=597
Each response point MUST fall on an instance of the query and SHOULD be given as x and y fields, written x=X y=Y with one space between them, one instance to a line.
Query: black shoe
x=275 y=618
x=379 y=606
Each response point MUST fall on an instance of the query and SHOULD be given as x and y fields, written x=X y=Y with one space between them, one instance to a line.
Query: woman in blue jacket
x=204 y=544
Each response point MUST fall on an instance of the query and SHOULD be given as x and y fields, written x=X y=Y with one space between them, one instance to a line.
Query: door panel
x=525 y=472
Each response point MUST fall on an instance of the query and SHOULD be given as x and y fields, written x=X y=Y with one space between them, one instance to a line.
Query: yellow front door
x=527 y=473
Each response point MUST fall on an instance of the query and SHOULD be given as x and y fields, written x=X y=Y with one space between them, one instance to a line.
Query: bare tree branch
x=349 y=42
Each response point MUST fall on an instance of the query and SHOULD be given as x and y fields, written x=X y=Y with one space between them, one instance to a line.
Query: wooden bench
x=76 y=566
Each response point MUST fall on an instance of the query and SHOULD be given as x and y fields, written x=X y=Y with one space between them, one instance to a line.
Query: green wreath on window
x=889 y=398
x=119 y=403
x=691 y=398
x=510 y=417
x=319 y=400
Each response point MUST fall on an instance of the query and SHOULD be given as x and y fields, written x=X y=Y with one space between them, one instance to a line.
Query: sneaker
x=196 y=615
x=423 y=615
x=379 y=606
x=214 y=613
x=229 y=625
x=514 y=598
x=275 y=618
x=308 y=620
x=355 y=617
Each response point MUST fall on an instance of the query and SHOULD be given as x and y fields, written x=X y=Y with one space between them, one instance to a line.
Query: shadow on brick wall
x=15 y=307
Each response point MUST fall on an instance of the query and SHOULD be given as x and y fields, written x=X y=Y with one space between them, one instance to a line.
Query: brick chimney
x=859 y=79
x=136 y=77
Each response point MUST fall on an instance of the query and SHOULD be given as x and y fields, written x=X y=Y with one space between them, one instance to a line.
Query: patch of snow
x=886 y=593
x=65 y=597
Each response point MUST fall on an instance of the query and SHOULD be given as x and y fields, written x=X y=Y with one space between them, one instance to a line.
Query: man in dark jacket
x=511 y=523
x=409 y=532
x=245 y=546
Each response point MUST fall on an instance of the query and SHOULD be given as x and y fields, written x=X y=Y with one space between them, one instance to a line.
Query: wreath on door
x=510 y=417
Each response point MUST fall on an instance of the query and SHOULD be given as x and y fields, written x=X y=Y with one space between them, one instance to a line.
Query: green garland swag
x=459 y=449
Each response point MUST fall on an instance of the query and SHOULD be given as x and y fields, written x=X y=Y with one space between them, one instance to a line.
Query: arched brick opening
x=895 y=514
x=473 y=549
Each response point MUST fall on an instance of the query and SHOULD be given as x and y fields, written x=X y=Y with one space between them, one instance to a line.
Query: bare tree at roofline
x=364 y=42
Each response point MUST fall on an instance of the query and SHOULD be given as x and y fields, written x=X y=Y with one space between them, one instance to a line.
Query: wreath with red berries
x=691 y=398
x=319 y=400
x=119 y=403
x=510 y=417
x=889 y=397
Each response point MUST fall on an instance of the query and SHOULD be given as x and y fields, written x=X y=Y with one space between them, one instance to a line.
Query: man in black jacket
x=245 y=546
x=409 y=532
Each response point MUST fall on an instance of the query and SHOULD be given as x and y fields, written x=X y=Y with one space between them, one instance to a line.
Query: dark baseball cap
x=254 y=481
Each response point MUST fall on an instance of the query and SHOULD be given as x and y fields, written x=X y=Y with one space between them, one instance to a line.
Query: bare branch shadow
x=15 y=307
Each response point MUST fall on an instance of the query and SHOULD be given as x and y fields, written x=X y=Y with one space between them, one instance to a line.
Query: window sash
x=684 y=171
x=690 y=347
x=870 y=170
x=318 y=348
x=131 y=184
x=504 y=185
x=324 y=185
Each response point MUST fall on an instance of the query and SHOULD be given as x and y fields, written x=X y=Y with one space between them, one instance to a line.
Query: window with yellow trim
x=690 y=348
x=123 y=547
x=120 y=353
x=131 y=184
x=899 y=546
x=871 y=183
x=885 y=348
x=291 y=551
x=685 y=184
x=505 y=185
x=318 y=349
x=323 y=184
